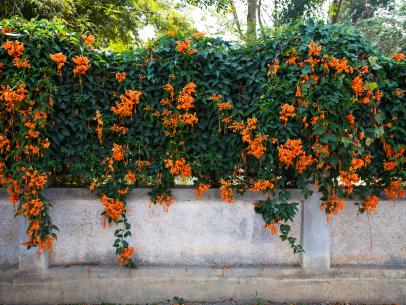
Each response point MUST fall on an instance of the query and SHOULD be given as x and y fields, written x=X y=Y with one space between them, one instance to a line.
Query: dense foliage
x=315 y=105
x=115 y=23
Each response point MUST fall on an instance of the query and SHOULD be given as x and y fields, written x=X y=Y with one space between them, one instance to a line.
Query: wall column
x=28 y=260
x=315 y=235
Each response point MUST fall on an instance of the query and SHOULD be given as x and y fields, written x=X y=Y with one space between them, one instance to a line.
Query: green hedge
x=343 y=120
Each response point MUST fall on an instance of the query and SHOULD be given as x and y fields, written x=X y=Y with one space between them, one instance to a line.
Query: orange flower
x=378 y=95
x=357 y=163
x=34 y=225
x=273 y=70
x=119 y=129
x=121 y=76
x=18 y=63
x=224 y=106
x=394 y=190
x=367 y=158
x=389 y=165
x=82 y=65
x=256 y=148
x=171 y=33
x=303 y=162
x=340 y=65
x=237 y=126
x=31 y=150
x=201 y=189
x=45 y=244
x=292 y=58
x=60 y=60
x=350 y=119
x=13 y=97
x=46 y=143
x=131 y=177
x=226 y=192
x=216 y=97
x=228 y=119
x=262 y=185
x=365 y=100
x=398 y=56
x=314 y=49
x=113 y=208
x=188 y=118
x=118 y=153
x=34 y=181
x=4 y=144
x=289 y=151
x=333 y=206
x=287 y=111
x=127 y=103
x=6 y=30
x=165 y=200
x=185 y=98
x=348 y=179
x=358 y=85
x=298 y=92
x=370 y=204
x=13 y=48
x=125 y=256
x=89 y=39
x=14 y=190
x=99 y=128
x=180 y=167
x=184 y=47
x=33 y=208
x=169 y=88
x=199 y=35
x=271 y=227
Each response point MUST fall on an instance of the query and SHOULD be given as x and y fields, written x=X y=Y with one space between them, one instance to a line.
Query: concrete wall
x=370 y=240
x=186 y=249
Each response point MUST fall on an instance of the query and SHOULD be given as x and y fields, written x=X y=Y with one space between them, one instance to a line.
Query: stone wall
x=202 y=236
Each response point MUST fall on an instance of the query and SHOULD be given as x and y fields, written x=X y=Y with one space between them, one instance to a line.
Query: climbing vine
x=315 y=105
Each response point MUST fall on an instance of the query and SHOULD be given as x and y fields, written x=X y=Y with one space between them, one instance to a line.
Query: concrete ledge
x=86 y=284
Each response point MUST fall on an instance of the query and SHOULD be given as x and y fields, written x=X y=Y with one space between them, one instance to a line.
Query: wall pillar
x=315 y=235
x=28 y=260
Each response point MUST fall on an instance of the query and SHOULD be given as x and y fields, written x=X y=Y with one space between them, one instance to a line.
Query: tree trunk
x=236 y=21
x=252 y=20
x=337 y=8
x=261 y=26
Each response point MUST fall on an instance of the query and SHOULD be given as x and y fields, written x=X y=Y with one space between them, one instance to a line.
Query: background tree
x=116 y=23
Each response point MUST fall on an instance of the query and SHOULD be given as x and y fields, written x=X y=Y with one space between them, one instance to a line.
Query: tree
x=278 y=12
x=114 y=22
x=355 y=10
x=387 y=29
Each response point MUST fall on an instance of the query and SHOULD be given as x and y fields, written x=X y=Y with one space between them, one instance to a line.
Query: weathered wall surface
x=355 y=258
x=8 y=234
x=204 y=232
x=192 y=232
x=379 y=239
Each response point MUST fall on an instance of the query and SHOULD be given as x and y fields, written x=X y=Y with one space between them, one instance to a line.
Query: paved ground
x=232 y=302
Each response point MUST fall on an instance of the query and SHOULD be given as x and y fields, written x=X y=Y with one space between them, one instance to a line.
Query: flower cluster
x=60 y=60
x=126 y=105
x=16 y=50
x=179 y=167
x=81 y=65
x=184 y=47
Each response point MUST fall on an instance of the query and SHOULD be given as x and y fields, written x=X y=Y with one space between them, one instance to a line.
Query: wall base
x=89 y=284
